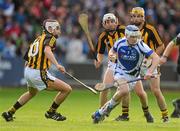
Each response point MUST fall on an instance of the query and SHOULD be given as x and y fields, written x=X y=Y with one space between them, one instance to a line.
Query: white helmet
x=109 y=16
x=132 y=30
x=50 y=23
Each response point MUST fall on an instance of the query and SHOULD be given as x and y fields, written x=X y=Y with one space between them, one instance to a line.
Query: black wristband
x=165 y=56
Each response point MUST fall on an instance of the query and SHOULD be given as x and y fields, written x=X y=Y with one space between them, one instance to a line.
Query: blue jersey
x=131 y=57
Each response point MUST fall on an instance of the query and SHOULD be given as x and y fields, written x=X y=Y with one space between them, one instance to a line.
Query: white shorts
x=120 y=74
x=37 y=79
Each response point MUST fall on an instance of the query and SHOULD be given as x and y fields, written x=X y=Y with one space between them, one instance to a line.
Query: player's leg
x=125 y=109
x=32 y=76
x=111 y=104
x=108 y=79
x=63 y=91
x=155 y=88
x=139 y=90
x=8 y=116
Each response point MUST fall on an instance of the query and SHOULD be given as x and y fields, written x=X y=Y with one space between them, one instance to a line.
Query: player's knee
x=68 y=89
x=141 y=94
x=156 y=91
x=32 y=92
x=122 y=92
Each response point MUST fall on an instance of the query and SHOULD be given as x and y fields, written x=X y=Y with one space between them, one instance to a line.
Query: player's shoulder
x=102 y=35
x=120 y=41
x=122 y=27
x=49 y=40
x=49 y=37
x=150 y=27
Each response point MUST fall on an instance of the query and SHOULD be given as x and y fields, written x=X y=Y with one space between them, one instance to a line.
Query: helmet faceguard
x=52 y=27
x=132 y=34
x=111 y=18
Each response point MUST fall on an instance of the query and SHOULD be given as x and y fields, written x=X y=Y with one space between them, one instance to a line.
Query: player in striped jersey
x=130 y=52
x=38 y=60
x=151 y=37
x=113 y=31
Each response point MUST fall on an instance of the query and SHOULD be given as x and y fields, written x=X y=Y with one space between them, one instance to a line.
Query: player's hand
x=148 y=75
x=163 y=60
x=61 y=68
x=97 y=63
x=147 y=62
x=112 y=57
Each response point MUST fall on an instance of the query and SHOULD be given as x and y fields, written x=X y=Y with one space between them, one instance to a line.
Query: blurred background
x=20 y=23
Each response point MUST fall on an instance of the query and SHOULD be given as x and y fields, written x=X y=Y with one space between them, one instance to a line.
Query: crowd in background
x=20 y=23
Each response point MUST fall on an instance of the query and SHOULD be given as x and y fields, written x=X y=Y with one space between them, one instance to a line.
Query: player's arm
x=155 y=61
x=160 y=49
x=167 y=52
x=50 y=43
x=49 y=54
x=150 y=54
x=156 y=39
x=100 y=57
x=100 y=50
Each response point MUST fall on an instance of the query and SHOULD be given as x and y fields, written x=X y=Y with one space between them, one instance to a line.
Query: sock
x=111 y=104
x=14 y=108
x=145 y=110
x=125 y=111
x=53 y=107
x=164 y=113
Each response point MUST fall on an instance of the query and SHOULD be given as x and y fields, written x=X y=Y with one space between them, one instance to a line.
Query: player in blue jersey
x=130 y=52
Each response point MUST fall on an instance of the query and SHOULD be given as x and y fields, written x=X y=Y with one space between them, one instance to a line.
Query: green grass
x=78 y=108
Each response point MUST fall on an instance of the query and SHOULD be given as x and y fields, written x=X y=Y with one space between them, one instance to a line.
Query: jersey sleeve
x=101 y=45
x=121 y=30
x=155 y=37
x=50 y=41
x=145 y=49
x=115 y=46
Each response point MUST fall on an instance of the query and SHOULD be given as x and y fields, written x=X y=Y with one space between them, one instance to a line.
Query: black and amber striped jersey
x=35 y=56
x=150 y=36
x=106 y=40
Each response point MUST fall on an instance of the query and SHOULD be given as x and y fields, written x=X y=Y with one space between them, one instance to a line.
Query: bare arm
x=112 y=55
x=99 y=60
x=167 y=52
x=49 y=54
x=160 y=49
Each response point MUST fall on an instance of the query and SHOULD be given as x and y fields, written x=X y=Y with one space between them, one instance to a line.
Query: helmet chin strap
x=132 y=44
x=110 y=30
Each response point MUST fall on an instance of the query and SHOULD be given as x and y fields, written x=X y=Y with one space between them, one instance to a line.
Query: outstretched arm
x=49 y=54
x=167 y=52
x=160 y=49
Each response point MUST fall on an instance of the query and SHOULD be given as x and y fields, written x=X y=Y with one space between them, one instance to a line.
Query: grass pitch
x=78 y=108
